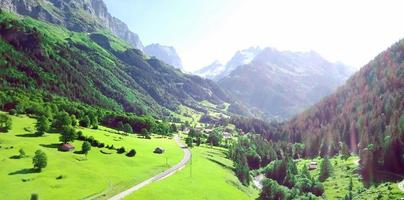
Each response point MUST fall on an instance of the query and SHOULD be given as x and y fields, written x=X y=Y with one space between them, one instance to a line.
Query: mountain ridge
x=76 y=15
x=283 y=83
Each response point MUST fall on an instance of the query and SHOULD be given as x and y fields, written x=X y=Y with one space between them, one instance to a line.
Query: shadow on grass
x=29 y=135
x=78 y=152
x=51 y=146
x=220 y=163
x=15 y=157
x=24 y=171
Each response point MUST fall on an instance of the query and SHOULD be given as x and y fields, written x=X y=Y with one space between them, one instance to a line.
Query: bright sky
x=350 y=31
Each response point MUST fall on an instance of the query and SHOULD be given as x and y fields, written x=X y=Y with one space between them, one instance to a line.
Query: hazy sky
x=351 y=31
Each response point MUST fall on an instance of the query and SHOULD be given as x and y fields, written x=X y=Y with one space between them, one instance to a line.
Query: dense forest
x=363 y=117
x=365 y=114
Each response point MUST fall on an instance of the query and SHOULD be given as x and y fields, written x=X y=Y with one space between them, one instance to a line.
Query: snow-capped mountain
x=216 y=70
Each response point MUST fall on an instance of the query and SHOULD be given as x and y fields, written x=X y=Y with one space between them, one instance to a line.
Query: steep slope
x=366 y=114
x=76 y=15
x=216 y=70
x=166 y=54
x=96 y=69
x=282 y=84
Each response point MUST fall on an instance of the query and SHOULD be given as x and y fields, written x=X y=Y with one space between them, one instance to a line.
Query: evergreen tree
x=345 y=151
x=74 y=120
x=127 y=128
x=325 y=169
x=120 y=126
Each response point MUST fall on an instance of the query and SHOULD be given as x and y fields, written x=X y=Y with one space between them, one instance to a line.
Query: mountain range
x=217 y=70
x=279 y=83
x=78 y=56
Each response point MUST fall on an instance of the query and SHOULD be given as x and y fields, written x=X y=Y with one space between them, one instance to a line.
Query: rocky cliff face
x=76 y=15
x=165 y=53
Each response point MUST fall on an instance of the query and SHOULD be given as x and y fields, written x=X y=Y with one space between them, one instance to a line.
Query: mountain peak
x=168 y=54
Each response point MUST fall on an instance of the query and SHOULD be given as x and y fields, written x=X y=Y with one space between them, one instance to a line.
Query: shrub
x=188 y=141
x=101 y=145
x=80 y=136
x=40 y=160
x=95 y=143
x=22 y=153
x=85 y=147
x=121 y=150
x=34 y=197
x=131 y=153
x=5 y=123
x=12 y=112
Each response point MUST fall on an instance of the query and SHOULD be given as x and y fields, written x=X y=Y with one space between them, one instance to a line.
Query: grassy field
x=336 y=187
x=212 y=178
x=80 y=177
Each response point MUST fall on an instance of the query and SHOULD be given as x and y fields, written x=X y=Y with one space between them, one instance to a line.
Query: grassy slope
x=336 y=187
x=109 y=173
x=212 y=178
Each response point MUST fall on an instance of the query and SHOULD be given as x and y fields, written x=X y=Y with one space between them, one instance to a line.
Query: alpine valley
x=89 y=112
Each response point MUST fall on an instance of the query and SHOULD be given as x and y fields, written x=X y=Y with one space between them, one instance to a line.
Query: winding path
x=162 y=175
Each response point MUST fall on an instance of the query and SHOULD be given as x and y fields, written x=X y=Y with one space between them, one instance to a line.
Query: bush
x=12 y=112
x=40 y=160
x=5 y=123
x=121 y=150
x=188 y=141
x=34 y=197
x=95 y=143
x=131 y=153
x=80 y=136
x=22 y=153
x=101 y=145
x=85 y=147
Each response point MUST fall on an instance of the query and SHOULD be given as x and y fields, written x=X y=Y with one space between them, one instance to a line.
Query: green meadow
x=208 y=176
x=71 y=175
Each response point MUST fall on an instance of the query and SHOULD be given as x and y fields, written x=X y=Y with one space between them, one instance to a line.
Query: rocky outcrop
x=165 y=53
x=76 y=15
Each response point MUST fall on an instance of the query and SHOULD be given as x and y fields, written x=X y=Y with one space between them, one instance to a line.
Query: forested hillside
x=95 y=68
x=366 y=114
